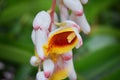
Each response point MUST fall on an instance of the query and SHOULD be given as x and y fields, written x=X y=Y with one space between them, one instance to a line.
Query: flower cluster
x=55 y=40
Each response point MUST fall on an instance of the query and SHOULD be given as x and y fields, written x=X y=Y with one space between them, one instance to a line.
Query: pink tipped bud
x=47 y=74
x=48 y=67
x=74 y=5
x=41 y=20
x=82 y=22
x=78 y=13
x=41 y=76
x=34 y=61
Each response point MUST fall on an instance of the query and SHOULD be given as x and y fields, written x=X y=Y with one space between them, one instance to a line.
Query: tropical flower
x=63 y=39
x=39 y=35
x=55 y=40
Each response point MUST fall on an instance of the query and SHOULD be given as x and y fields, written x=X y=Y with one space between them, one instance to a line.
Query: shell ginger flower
x=62 y=40
x=53 y=47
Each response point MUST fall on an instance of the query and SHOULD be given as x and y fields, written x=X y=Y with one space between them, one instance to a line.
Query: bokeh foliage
x=97 y=59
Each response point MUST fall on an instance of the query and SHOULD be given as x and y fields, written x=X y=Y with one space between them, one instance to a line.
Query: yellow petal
x=61 y=41
x=59 y=75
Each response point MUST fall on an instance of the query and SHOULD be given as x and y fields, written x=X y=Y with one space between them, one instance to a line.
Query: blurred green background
x=97 y=59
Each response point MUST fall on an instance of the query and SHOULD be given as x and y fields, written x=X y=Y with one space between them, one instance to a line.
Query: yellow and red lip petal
x=61 y=41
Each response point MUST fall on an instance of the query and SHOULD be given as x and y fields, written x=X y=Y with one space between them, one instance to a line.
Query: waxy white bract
x=82 y=22
x=40 y=39
x=42 y=20
x=63 y=11
x=75 y=6
x=48 y=67
x=34 y=61
x=41 y=76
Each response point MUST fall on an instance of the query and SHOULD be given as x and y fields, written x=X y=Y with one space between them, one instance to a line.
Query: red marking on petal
x=76 y=26
x=67 y=57
x=61 y=39
x=79 y=13
x=47 y=74
x=36 y=28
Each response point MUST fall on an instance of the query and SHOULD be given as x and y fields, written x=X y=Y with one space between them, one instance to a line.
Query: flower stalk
x=52 y=14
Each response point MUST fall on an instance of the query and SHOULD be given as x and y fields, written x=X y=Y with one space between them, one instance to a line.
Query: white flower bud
x=40 y=39
x=63 y=11
x=48 y=67
x=34 y=61
x=55 y=20
x=69 y=64
x=41 y=20
x=82 y=22
x=75 y=6
x=41 y=76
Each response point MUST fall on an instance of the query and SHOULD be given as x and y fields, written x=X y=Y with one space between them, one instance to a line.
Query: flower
x=39 y=34
x=42 y=20
x=62 y=40
x=55 y=40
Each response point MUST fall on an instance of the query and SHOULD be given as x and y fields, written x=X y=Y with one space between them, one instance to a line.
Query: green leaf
x=94 y=7
x=17 y=10
x=96 y=58
x=14 y=54
x=23 y=72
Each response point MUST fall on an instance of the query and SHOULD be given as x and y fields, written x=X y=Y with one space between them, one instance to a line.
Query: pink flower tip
x=43 y=58
x=66 y=58
x=79 y=13
x=47 y=74
x=76 y=26
x=36 y=28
